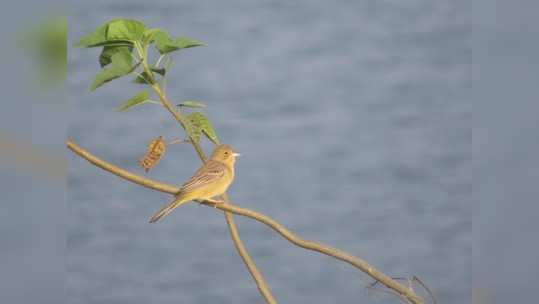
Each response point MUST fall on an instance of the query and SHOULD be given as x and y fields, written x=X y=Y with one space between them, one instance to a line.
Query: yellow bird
x=211 y=180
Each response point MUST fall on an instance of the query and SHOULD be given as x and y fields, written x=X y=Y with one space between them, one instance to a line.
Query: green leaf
x=148 y=35
x=186 y=42
x=191 y=104
x=96 y=38
x=210 y=133
x=114 y=32
x=161 y=39
x=165 y=44
x=109 y=50
x=199 y=121
x=143 y=78
x=160 y=71
x=140 y=98
x=192 y=129
x=120 y=66
x=125 y=29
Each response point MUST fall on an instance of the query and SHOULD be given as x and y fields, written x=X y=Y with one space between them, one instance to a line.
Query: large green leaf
x=120 y=66
x=109 y=50
x=125 y=29
x=166 y=44
x=114 y=32
x=201 y=123
x=140 y=98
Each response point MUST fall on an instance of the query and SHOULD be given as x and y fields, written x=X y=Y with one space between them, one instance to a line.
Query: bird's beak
x=236 y=154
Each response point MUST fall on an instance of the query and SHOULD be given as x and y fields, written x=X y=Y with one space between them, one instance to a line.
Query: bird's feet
x=215 y=202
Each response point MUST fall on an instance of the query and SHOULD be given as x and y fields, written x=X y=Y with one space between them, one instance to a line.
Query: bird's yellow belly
x=209 y=191
x=218 y=190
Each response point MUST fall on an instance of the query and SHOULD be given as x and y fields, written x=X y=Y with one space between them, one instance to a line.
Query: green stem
x=159 y=60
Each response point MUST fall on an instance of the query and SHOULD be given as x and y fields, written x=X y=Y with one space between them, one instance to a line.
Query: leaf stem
x=159 y=60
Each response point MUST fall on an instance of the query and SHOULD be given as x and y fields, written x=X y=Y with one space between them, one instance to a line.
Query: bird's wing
x=210 y=172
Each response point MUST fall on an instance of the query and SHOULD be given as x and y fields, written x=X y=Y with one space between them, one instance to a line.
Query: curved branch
x=135 y=178
x=321 y=248
x=357 y=262
x=249 y=262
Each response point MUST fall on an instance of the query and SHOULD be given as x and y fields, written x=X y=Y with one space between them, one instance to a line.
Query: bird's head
x=225 y=154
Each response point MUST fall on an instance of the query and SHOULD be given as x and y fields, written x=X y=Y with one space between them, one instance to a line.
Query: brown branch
x=135 y=178
x=357 y=262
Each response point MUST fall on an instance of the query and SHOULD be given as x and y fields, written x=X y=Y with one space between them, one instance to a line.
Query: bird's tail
x=178 y=201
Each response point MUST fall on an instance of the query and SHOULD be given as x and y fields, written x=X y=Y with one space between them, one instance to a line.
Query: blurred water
x=354 y=122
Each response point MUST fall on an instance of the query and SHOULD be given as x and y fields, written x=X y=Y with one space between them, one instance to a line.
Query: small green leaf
x=211 y=134
x=160 y=71
x=121 y=65
x=200 y=122
x=143 y=78
x=165 y=44
x=186 y=42
x=140 y=98
x=191 y=104
x=192 y=129
x=109 y=50
x=125 y=29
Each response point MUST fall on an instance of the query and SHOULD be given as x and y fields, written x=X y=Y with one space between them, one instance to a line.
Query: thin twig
x=357 y=262
x=390 y=292
x=410 y=286
x=159 y=61
x=178 y=141
x=431 y=294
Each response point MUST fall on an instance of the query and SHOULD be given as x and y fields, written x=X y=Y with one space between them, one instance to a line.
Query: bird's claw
x=214 y=202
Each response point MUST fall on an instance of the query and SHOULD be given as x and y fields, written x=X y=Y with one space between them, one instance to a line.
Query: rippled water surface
x=354 y=122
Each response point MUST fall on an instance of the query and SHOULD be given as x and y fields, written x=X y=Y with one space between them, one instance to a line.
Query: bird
x=212 y=179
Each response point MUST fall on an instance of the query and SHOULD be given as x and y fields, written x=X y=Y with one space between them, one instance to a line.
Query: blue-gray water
x=354 y=122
